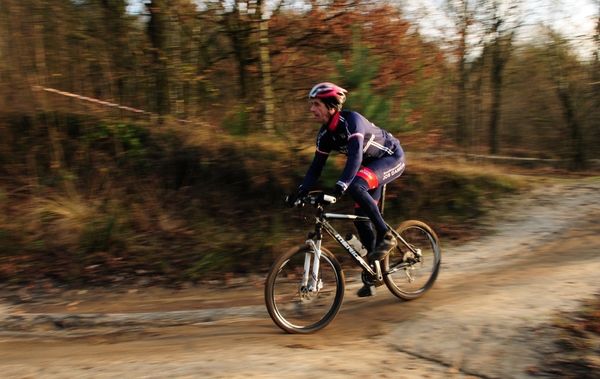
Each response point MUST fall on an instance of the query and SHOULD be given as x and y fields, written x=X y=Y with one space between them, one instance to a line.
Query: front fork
x=310 y=279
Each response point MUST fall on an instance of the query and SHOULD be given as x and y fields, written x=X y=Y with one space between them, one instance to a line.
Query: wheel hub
x=307 y=295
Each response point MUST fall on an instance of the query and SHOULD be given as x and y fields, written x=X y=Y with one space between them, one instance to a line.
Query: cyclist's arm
x=314 y=170
x=356 y=135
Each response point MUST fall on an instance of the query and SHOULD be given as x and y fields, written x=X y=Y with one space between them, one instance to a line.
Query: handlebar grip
x=330 y=199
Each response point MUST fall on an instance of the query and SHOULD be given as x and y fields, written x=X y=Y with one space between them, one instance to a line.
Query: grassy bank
x=87 y=202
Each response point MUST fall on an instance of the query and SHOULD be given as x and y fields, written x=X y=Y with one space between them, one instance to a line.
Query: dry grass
x=187 y=201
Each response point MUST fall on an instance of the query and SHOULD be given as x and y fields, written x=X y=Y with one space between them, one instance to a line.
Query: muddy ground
x=488 y=316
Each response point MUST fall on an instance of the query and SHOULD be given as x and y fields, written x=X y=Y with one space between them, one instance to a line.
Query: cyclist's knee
x=359 y=187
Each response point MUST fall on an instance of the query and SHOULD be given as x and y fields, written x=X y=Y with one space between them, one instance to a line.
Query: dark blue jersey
x=353 y=135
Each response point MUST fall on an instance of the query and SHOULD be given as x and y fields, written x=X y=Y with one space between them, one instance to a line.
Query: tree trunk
x=501 y=48
x=238 y=31
x=58 y=156
x=176 y=92
x=157 y=26
x=461 y=102
x=114 y=24
x=595 y=119
x=459 y=10
x=265 y=66
x=578 y=143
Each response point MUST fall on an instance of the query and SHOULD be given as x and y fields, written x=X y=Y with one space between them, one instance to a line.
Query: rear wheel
x=294 y=306
x=413 y=266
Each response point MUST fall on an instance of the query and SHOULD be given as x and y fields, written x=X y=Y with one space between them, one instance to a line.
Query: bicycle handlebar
x=314 y=198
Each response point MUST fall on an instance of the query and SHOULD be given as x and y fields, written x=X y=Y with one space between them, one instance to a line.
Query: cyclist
x=377 y=151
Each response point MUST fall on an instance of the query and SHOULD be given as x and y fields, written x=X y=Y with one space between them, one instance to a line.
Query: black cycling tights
x=366 y=205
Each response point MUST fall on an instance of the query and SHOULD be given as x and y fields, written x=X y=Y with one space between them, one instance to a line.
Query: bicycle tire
x=294 y=309
x=407 y=280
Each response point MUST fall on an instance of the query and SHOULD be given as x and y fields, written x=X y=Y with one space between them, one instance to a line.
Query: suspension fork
x=310 y=277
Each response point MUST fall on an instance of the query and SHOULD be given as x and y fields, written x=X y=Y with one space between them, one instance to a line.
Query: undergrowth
x=90 y=202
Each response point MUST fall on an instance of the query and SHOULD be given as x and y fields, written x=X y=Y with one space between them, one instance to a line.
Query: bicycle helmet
x=331 y=95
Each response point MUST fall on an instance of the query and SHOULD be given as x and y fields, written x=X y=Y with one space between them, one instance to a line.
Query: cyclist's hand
x=338 y=192
x=333 y=196
x=291 y=199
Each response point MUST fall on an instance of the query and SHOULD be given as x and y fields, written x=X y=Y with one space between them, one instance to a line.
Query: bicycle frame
x=322 y=223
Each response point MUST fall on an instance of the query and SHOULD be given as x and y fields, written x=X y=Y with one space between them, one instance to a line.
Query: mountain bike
x=304 y=288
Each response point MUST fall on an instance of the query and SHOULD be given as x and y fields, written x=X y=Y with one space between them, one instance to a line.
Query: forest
x=159 y=142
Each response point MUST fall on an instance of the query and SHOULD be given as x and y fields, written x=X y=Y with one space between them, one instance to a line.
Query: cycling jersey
x=351 y=134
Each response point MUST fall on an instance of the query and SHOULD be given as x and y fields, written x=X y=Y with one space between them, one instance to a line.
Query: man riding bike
x=374 y=158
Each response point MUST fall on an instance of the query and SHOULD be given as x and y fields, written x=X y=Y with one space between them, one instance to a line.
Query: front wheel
x=413 y=266
x=299 y=307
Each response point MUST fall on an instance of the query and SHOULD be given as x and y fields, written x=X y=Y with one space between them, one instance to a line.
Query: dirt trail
x=484 y=318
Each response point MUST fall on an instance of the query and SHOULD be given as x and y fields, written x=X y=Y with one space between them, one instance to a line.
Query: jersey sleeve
x=315 y=169
x=356 y=135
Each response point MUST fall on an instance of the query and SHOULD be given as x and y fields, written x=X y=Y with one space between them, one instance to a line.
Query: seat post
x=382 y=200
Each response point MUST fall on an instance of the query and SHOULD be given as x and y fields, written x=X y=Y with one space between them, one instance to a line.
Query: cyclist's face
x=320 y=111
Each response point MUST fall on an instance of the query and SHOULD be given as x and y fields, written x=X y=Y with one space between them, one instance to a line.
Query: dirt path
x=484 y=318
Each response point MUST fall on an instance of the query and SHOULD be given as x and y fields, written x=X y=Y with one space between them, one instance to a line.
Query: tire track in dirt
x=484 y=318
x=495 y=296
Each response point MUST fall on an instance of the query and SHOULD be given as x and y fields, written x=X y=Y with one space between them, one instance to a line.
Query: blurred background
x=154 y=140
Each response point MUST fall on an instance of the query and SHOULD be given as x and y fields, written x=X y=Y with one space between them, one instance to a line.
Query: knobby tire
x=295 y=311
x=411 y=281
